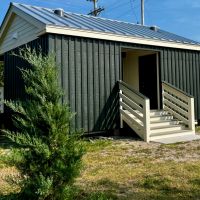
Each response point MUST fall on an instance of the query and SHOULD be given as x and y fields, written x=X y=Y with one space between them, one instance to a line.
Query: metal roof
x=86 y=22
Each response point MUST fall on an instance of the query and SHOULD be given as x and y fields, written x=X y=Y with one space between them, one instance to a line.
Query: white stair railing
x=179 y=104
x=1 y=99
x=134 y=110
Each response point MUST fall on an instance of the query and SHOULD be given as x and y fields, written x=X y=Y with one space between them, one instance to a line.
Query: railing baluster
x=184 y=111
x=121 y=117
x=191 y=117
x=134 y=110
x=147 y=120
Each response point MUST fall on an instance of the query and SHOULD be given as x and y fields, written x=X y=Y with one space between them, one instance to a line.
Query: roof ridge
x=108 y=19
x=80 y=14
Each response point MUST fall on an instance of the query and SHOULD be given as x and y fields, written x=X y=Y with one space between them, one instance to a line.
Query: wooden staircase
x=175 y=120
x=164 y=125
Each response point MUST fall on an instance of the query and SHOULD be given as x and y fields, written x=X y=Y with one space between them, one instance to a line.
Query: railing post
x=121 y=117
x=147 y=120
x=191 y=116
x=163 y=92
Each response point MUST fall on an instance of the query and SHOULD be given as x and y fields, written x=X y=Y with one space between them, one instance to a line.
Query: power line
x=96 y=11
x=127 y=12
x=132 y=2
x=115 y=7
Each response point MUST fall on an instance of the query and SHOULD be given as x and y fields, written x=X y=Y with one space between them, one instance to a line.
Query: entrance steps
x=175 y=123
x=164 y=127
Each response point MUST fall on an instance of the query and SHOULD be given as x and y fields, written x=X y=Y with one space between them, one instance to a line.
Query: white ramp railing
x=179 y=104
x=1 y=99
x=134 y=110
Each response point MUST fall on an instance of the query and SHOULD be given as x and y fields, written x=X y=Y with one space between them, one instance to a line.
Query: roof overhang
x=63 y=30
x=115 y=37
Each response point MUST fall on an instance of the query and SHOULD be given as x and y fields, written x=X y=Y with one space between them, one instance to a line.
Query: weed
x=156 y=182
x=96 y=145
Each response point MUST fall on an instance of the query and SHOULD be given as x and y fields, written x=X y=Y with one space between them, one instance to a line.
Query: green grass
x=134 y=170
x=198 y=129
x=131 y=171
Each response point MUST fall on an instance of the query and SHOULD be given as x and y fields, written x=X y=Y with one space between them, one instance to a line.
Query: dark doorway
x=148 y=81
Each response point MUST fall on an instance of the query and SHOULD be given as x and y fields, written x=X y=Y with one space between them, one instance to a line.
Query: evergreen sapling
x=49 y=152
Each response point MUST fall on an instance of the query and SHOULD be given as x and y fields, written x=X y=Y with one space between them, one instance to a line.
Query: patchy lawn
x=127 y=169
x=135 y=170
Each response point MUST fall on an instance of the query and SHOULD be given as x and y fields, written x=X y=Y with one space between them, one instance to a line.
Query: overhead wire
x=121 y=4
x=132 y=10
x=111 y=8
x=132 y=2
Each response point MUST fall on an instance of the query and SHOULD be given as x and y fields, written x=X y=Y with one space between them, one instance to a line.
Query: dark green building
x=94 y=54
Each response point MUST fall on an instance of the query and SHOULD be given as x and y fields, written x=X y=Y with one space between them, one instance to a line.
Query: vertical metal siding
x=90 y=73
x=90 y=87
x=184 y=72
x=71 y=76
x=13 y=83
x=96 y=83
x=101 y=83
x=84 y=84
x=89 y=70
x=198 y=83
x=100 y=66
x=65 y=69
x=78 y=73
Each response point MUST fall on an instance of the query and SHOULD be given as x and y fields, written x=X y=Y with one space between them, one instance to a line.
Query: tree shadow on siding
x=109 y=116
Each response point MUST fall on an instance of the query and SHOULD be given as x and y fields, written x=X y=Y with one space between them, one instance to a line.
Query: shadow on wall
x=109 y=116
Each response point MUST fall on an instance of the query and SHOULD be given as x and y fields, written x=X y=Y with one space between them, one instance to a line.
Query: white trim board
x=116 y=37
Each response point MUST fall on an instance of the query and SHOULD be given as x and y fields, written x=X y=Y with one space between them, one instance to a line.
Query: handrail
x=172 y=86
x=134 y=110
x=180 y=104
x=134 y=91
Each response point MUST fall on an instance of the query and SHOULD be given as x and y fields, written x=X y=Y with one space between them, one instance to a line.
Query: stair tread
x=163 y=121
x=164 y=115
x=156 y=111
x=168 y=126
x=170 y=133
x=175 y=139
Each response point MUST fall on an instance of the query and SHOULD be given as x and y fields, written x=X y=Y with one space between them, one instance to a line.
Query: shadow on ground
x=152 y=188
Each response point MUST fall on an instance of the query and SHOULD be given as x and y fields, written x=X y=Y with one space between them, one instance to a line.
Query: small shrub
x=49 y=152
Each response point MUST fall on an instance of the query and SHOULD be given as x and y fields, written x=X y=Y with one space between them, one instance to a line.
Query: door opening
x=148 y=78
x=140 y=69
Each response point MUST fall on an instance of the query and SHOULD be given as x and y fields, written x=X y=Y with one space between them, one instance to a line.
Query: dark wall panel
x=90 y=71
x=184 y=72
x=14 y=85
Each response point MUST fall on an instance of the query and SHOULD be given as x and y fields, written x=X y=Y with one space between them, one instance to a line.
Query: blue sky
x=178 y=16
